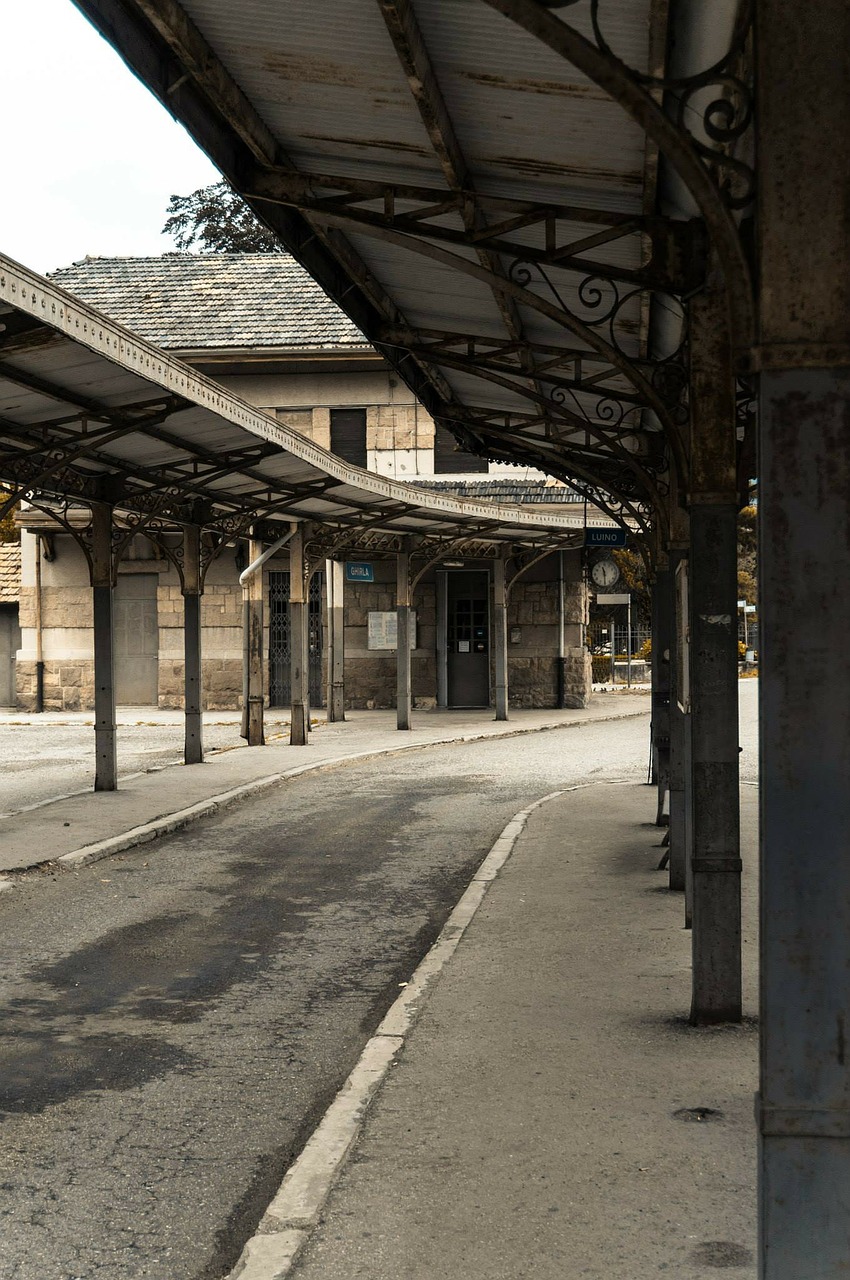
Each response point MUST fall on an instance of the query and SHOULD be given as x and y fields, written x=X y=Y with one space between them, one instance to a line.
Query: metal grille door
x=280 y=639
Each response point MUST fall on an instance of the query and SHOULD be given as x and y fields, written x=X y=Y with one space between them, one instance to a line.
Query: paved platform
x=551 y=1115
x=84 y=826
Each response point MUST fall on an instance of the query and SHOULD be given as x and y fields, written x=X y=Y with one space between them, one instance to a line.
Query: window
x=348 y=435
x=450 y=459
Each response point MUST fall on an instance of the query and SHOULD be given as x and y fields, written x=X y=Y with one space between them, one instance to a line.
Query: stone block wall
x=370 y=674
x=68 y=685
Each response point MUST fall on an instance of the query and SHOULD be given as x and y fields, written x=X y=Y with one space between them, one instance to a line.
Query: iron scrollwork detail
x=714 y=107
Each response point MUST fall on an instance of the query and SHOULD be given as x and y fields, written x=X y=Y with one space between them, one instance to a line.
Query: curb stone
x=167 y=824
x=295 y=1210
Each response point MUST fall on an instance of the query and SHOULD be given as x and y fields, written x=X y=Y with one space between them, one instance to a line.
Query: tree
x=9 y=532
x=748 y=554
x=217 y=220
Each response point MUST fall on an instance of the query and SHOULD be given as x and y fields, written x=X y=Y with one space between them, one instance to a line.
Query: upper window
x=450 y=459
x=348 y=435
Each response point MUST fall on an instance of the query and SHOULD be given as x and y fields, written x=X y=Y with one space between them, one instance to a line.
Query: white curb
x=294 y=1212
x=172 y=822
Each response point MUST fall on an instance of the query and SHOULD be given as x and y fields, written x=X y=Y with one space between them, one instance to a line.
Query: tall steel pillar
x=803 y=354
x=299 y=624
x=335 y=604
x=500 y=636
x=662 y=643
x=106 y=760
x=252 y=652
x=442 y=590
x=680 y=725
x=193 y=742
x=713 y=591
x=404 y=692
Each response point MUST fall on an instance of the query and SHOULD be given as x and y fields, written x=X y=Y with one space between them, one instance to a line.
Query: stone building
x=260 y=326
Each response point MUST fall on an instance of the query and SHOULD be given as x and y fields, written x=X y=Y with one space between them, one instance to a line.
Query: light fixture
x=453 y=564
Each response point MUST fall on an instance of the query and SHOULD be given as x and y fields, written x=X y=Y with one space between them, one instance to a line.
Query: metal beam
x=624 y=87
x=676 y=264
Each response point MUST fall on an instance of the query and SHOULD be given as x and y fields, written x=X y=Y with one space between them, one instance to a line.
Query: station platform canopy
x=90 y=413
x=480 y=185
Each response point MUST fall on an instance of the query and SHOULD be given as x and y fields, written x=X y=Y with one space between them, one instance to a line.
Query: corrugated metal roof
x=214 y=300
x=456 y=98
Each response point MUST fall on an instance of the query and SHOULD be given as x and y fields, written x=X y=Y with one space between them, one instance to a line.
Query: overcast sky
x=90 y=157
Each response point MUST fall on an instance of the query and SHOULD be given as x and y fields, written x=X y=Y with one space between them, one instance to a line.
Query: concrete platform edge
x=294 y=1212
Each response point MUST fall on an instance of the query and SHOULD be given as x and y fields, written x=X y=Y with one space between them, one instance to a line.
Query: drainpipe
x=267 y=554
x=39 y=646
x=562 y=651
x=252 y=641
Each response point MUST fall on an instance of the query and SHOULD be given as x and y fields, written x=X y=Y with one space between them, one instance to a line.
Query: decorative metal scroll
x=713 y=106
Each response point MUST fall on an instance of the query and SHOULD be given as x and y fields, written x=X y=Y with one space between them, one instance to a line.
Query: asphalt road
x=176 y=1019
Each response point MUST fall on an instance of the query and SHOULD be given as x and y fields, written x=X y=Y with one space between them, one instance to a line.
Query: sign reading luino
x=604 y=537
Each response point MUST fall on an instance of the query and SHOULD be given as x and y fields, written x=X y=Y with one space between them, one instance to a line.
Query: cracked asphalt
x=175 y=1019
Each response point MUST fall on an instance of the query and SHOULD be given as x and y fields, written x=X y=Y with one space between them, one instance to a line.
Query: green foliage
x=601 y=667
x=635 y=580
x=748 y=554
x=217 y=220
x=8 y=531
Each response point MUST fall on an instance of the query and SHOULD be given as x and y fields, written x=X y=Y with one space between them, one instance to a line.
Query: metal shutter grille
x=450 y=460
x=348 y=435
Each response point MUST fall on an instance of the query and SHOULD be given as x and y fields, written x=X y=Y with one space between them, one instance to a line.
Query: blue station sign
x=359 y=571
x=604 y=537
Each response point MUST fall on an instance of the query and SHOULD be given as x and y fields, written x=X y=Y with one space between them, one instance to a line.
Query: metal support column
x=713 y=591
x=252 y=605
x=561 y=698
x=680 y=727
x=804 y=614
x=500 y=637
x=106 y=760
x=299 y=623
x=442 y=588
x=335 y=596
x=662 y=643
x=404 y=695
x=193 y=743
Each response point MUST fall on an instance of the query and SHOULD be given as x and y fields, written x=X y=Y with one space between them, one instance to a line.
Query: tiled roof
x=214 y=301
x=505 y=490
x=10 y=572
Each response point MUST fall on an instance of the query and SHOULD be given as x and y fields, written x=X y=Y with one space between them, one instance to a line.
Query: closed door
x=468 y=639
x=136 y=640
x=9 y=643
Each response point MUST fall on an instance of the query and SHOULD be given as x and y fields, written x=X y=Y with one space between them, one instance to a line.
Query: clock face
x=605 y=573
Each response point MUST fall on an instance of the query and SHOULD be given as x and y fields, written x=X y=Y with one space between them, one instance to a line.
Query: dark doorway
x=468 y=639
x=280 y=640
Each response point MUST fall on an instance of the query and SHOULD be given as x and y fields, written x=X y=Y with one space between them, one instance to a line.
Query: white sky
x=90 y=157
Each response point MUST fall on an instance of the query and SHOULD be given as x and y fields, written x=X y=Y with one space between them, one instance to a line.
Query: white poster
x=383 y=629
